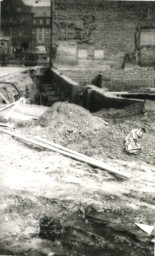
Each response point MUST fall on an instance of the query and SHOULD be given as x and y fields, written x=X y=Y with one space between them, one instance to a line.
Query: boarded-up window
x=147 y=37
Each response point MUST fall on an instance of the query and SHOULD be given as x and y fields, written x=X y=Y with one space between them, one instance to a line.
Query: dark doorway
x=25 y=45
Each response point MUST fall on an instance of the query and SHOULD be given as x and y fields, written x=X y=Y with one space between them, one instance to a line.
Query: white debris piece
x=132 y=144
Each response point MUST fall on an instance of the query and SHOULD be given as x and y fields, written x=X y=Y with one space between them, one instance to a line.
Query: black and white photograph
x=77 y=128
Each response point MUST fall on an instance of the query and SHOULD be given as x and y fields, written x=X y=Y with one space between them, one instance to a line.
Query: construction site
x=77 y=140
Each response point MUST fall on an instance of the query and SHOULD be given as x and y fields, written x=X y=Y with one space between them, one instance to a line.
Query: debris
x=6 y=219
x=132 y=145
x=14 y=107
x=146 y=228
x=7 y=125
x=85 y=159
x=102 y=120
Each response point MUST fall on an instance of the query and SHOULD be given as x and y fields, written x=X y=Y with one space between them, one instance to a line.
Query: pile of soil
x=72 y=126
x=126 y=112
x=75 y=127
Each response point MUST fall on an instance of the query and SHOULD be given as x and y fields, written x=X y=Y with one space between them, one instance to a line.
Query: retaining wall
x=94 y=99
x=66 y=88
x=89 y=96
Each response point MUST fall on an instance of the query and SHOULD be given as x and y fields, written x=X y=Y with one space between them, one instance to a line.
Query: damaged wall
x=105 y=25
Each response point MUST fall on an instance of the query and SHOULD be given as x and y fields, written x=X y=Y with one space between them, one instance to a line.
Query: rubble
x=132 y=144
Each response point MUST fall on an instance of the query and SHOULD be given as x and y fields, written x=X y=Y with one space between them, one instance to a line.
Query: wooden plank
x=91 y=162
x=63 y=148
x=6 y=107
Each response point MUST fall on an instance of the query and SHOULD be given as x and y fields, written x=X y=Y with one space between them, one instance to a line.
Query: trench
x=53 y=87
x=89 y=232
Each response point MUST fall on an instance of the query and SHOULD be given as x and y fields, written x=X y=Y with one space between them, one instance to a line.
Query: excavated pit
x=88 y=232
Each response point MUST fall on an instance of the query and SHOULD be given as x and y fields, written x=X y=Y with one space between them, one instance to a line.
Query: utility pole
x=0 y=18
x=51 y=34
x=51 y=30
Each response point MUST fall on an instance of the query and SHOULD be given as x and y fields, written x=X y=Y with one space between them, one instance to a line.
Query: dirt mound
x=70 y=125
x=71 y=115
x=76 y=128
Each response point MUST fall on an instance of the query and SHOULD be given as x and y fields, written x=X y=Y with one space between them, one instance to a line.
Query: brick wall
x=102 y=25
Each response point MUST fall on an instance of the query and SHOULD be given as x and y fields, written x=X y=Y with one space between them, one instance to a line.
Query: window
x=39 y=31
x=48 y=21
x=33 y=36
x=19 y=9
x=22 y=19
x=47 y=40
x=34 y=21
x=20 y=32
x=41 y=21
x=47 y=30
x=33 y=31
x=39 y=36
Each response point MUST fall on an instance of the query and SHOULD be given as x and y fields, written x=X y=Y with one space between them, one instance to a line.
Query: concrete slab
x=82 y=54
x=98 y=54
x=66 y=53
x=24 y=114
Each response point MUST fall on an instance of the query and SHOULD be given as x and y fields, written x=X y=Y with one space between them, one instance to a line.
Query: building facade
x=106 y=25
x=41 y=30
x=17 y=23
x=92 y=25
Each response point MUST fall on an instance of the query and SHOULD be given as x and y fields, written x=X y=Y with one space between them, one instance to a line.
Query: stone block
x=82 y=54
x=98 y=54
x=66 y=54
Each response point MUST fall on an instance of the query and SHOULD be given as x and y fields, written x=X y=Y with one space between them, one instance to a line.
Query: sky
x=40 y=2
